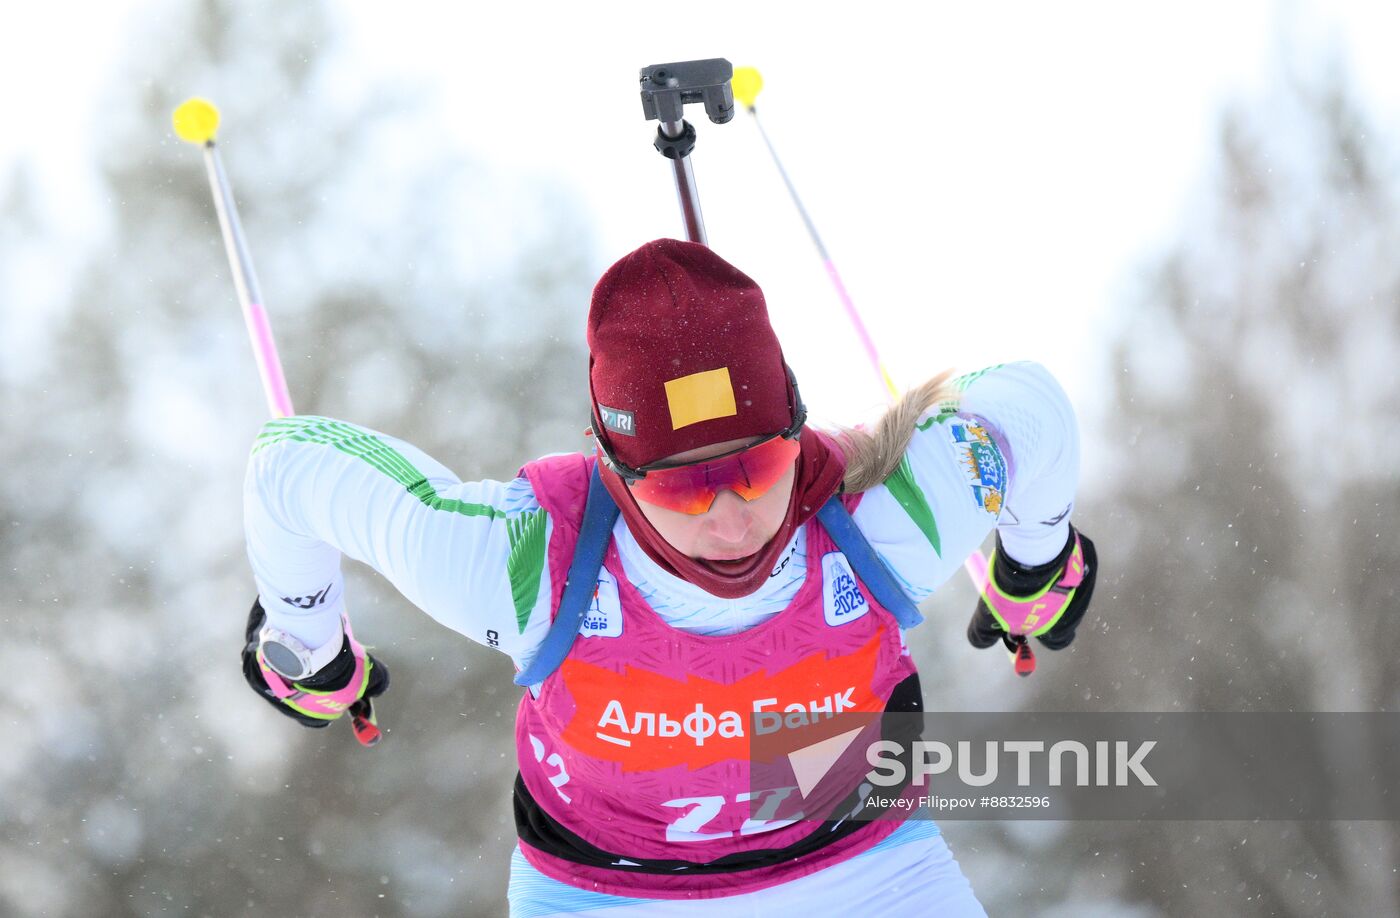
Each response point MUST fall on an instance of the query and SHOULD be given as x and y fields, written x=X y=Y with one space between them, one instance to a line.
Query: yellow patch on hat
x=700 y=397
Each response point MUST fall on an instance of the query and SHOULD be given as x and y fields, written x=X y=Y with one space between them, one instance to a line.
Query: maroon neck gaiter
x=820 y=468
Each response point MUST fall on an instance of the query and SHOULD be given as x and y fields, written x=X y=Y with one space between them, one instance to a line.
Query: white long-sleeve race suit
x=472 y=554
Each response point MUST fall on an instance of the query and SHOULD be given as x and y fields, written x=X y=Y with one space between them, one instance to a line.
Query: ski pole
x=666 y=88
x=747 y=83
x=196 y=121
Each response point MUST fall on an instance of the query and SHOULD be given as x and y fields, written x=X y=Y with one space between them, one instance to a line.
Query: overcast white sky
x=988 y=178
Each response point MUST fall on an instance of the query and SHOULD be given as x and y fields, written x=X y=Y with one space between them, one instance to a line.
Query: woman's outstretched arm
x=470 y=554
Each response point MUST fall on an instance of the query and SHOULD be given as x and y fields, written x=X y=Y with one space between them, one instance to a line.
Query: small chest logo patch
x=604 y=615
x=842 y=599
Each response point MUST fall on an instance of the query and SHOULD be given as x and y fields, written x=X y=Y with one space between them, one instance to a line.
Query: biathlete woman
x=712 y=577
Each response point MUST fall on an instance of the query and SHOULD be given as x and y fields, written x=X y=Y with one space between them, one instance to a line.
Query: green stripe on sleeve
x=371 y=450
x=945 y=411
x=526 y=562
x=949 y=407
x=967 y=379
x=907 y=493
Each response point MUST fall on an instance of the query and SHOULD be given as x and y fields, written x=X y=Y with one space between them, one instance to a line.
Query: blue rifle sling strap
x=868 y=566
x=599 y=515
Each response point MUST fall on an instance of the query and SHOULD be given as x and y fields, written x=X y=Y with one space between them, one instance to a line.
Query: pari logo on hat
x=682 y=355
x=621 y=422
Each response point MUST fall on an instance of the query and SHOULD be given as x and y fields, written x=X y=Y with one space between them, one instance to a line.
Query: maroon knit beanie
x=682 y=354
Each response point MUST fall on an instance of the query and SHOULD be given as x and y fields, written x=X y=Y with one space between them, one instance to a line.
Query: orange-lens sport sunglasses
x=692 y=488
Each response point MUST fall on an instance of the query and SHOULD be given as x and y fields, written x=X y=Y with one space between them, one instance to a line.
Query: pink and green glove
x=346 y=683
x=1046 y=602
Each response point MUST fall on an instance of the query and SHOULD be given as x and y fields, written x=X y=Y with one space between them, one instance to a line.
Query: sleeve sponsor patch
x=982 y=463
